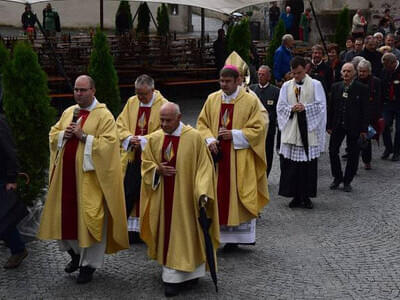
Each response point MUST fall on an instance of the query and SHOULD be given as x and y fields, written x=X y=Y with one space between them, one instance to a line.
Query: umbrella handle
x=27 y=178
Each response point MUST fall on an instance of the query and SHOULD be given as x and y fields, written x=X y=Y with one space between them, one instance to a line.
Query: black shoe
x=295 y=203
x=171 y=289
x=386 y=154
x=190 y=283
x=230 y=247
x=335 y=184
x=73 y=265
x=85 y=275
x=134 y=238
x=396 y=157
x=347 y=188
x=308 y=204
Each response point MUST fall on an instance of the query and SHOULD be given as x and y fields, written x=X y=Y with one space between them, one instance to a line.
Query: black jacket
x=269 y=98
x=351 y=111
x=391 y=86
x=323 y=73
x=375 y=101
x=8 y=154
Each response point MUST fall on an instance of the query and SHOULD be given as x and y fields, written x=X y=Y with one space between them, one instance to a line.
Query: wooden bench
x=188 y=82
x=61 y=96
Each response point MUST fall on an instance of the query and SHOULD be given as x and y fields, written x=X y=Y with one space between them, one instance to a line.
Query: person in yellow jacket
x=140 y=117
x=177 y=178
x=85 y=207
x=234 y=128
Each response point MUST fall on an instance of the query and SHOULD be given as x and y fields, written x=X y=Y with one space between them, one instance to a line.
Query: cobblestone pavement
x=347 y=247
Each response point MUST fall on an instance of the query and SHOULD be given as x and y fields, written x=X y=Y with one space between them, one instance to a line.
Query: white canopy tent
x=222 y=6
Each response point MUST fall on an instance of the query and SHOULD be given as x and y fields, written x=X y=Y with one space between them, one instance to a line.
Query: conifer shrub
x=239 y=39
x=275 y=43
x=343 y=28
x=30 y=115
x=143 y=19
x=163 y=20
x=102 y=70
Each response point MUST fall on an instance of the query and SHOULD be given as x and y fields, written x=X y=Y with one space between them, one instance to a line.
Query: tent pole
x=318 y=27
x=101 y=14
x=202 y=27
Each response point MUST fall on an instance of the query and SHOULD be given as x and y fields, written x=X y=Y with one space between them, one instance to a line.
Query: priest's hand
x=68 y=132
x=329 y=131
x=225 y=134
x=135 y=141
x=77 y=131
x=165 y=170
x=213 y=146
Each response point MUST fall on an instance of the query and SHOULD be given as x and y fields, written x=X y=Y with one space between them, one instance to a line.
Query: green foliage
x=124 y=8
x=30 y=115
x=143 y=19
x=4 y=56
x=275 y=43
x=239 y=39
x=163 y=20
x=343 y=28
x=102 y=70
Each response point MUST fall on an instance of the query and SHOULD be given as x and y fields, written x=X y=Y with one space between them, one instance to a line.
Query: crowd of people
x=148 y=172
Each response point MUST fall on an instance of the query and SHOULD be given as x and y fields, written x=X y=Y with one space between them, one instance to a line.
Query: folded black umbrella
x=302 y=122
x=132 y=181
x=205 y=226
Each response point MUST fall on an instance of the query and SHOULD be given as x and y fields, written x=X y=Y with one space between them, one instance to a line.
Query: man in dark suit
x=268 y=94
x=320 y=69
x=372 y=55
x=347 y=117
x=364 y=70
x=391 y=107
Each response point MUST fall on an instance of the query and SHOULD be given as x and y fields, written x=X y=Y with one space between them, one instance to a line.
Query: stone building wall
x=84 y=14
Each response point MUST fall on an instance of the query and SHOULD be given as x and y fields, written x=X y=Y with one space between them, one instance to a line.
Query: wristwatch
x=83 y=138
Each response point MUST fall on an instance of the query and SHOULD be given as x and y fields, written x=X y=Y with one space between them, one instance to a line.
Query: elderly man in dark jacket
x=8 y=174
x=347 y=117
x=268 y=94
x=374 y=102
x=391 y=108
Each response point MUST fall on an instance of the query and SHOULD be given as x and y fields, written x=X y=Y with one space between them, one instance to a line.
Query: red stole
x=224 y=165
x=168 y=152
x=69 y=201
x=142 y=125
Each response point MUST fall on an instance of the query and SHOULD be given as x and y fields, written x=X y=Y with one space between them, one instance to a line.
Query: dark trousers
x=366 y=153
x=353 y=149
x=272 y=25
x=269 y=147
x=14 y=241
x=391 y=112
x=298 y=178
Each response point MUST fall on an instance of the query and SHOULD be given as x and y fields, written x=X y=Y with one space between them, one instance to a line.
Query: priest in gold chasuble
x=177 y=177
x=140 y=117
x=234 y=128
x=85 y=207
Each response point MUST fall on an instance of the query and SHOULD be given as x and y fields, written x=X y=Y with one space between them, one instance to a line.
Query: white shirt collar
x=91 y=106
x=178 y=130
x=317 y=63
x=150 y=104
x=263 y=86
x=229 y=98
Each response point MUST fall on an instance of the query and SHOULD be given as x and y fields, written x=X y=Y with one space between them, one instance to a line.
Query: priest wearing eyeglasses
x=85 y=209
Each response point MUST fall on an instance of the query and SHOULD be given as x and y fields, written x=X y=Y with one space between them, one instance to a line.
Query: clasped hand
x=298 y=107
x=73 y=129
x=135 y=141
x=165 y=170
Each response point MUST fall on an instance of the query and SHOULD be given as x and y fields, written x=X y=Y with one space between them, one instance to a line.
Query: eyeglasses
x=77 y=90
